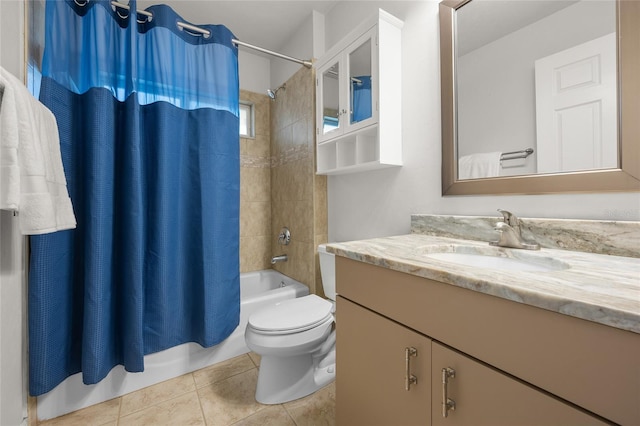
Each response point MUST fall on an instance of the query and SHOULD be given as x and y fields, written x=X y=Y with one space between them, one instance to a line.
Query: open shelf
x=358 y=151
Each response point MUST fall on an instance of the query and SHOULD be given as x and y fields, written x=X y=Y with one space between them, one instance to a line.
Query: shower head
x=272 y=93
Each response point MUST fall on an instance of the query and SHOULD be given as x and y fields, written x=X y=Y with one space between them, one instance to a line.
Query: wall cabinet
x=358 y=111
x=510 y=363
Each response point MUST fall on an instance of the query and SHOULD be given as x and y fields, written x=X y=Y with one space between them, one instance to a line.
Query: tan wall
x=298 y=196
x=255 y=188
x=278 y=184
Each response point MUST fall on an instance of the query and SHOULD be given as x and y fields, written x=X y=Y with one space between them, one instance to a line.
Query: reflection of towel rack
x=335 y=74
x=516 y=154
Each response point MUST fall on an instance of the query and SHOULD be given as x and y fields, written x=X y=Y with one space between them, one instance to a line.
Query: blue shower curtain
x=148 y=122
x=361 y=89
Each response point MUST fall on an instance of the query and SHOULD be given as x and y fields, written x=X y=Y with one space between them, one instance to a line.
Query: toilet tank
x=327 y=271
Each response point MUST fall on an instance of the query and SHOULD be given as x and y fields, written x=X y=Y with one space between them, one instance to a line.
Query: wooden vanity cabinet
x=515 y=364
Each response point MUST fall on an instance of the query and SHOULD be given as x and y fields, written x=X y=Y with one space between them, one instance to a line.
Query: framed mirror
x=510 y=123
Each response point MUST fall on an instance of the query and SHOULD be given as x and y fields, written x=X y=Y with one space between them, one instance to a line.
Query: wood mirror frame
x=624 y=178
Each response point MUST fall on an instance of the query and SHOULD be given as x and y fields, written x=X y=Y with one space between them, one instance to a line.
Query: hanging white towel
x=32 y=180
x=486 y=164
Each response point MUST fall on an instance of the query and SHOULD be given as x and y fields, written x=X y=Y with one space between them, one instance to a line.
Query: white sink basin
x=487 y=258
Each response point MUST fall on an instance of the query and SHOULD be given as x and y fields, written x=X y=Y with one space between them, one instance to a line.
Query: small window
x=246 y=120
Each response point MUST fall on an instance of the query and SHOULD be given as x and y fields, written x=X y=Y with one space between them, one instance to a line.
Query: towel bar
x=516 y=154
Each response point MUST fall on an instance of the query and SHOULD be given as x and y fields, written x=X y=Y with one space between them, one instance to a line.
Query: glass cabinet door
x=360 y=94
x=347 y=90
x=331 y=99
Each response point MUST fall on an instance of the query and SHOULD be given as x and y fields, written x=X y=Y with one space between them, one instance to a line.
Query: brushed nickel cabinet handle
x=409 y=379
x=447 y=403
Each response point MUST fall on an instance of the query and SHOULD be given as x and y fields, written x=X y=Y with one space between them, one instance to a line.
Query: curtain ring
x=190 y=32
x=201 y=33
x=118 y=13
x=148 y=17
x=86 y=2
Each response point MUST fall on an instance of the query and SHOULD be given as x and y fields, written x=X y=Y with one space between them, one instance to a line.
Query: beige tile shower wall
x=298 y=196
x=255 y=188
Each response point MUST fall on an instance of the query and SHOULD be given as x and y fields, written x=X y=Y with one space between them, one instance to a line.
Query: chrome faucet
x=279 y=258
x=511 y=233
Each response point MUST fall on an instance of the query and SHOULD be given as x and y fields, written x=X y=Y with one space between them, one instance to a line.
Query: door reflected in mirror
x=537 y=76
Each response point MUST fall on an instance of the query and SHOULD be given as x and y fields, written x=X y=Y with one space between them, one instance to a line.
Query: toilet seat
x=292 y=316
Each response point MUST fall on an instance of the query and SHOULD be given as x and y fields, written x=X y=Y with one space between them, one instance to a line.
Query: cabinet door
x=485 y=396
x=371 y=367
x=347 y=89
x=331 y=112
x=361 y=73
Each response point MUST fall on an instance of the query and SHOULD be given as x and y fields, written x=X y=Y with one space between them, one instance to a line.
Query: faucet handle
x=284 y=238
x=509 y=218
x=502 y=226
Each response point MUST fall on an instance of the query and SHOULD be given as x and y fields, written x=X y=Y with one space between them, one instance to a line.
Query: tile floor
x=220 y=395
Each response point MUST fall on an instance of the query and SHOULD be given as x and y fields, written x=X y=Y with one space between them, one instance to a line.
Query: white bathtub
x=257 y=289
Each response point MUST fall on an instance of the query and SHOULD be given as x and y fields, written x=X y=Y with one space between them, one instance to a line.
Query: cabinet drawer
x=591 y=365
x=485 y=396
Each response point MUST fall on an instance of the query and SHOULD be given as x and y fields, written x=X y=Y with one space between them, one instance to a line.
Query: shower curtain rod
x=206 y=33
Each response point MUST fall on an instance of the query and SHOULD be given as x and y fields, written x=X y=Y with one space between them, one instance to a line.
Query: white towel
x=9 y=169
x=32 y=180
x=481 y=165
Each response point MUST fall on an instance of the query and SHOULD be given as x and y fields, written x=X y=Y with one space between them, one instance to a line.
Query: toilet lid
x=293 y=314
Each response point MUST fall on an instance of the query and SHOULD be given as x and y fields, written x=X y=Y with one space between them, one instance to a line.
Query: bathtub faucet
x=279 y=258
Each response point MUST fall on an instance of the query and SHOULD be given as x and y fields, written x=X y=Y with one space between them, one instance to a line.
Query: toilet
x=296 y=341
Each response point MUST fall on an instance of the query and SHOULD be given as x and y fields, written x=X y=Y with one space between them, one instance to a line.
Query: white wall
x=259 y=72
x=306 y=43
x=299 y=45
x=380 y=203
x=254 y=70
x=12 y=266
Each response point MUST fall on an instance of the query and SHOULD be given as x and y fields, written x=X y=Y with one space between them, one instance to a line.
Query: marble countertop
x=595 y=287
